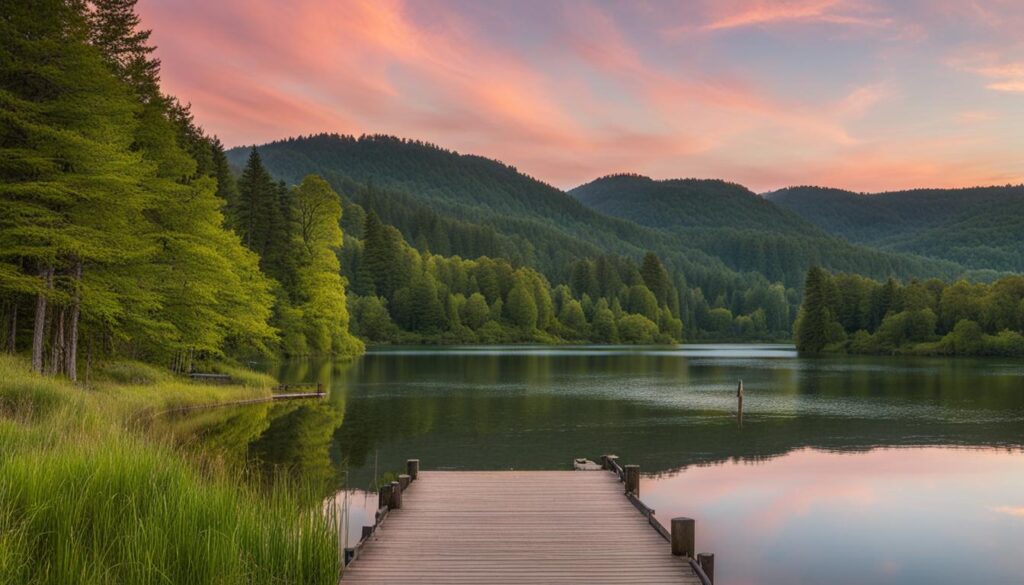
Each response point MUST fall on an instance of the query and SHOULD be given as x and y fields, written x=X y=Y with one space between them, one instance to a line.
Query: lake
x=842 y=470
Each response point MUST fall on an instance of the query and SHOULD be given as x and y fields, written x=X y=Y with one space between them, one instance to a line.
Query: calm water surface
x=843 y=470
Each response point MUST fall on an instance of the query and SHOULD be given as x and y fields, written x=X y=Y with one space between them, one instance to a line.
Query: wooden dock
x=506 y=527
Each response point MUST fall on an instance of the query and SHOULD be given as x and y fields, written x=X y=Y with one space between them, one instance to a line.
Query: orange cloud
x=763 y=12
x=567 y=92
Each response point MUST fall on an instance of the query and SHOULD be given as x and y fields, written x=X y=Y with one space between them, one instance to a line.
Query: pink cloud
x=764 y=12
x=567 y=92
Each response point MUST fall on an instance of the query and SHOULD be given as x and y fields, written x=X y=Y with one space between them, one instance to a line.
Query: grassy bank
x=88 y=495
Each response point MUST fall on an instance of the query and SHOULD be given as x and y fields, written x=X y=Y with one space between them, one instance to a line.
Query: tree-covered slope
x=981 y=228
x=544 y=227
x=744 y=230
x=534 y=223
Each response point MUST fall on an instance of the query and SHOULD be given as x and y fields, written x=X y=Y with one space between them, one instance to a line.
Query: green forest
x=121 y=234
x=129 y=231
x=980 y=228
x=848 y=313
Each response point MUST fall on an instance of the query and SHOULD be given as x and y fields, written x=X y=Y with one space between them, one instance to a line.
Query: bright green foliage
x=928 y=317
x=109 y=217
x=371 y=320
x=521 y=309
x=89 y=497
x=573 y=318
x=642 y=301
x=603 y=328
x=637 y=329
x=475 y=311
x=486 y=300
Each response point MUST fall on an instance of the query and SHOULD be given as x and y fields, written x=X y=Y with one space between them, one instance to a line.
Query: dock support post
x=396 y=495
x=404 y=480
x=707 y=564
x=367 y=532
x=384 y=496
x=607 y=460
x=412 y=467
x=683 y=537
x=319 y=388
x=633 y=479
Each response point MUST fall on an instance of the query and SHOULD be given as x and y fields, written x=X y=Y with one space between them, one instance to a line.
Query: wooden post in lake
x=607 y=460
x=396 y=495
x=707 y=564
x=632 y=479
x=683 y=537
x=404 y=480
x=739 y=403
x=319 y=388
x=384 y=496
x=412 y=467
x=367 y=532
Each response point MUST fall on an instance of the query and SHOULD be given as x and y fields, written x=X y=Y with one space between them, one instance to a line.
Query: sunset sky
x=861 y=94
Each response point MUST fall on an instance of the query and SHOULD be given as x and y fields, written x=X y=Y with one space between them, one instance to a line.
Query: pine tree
x=656 y=278
x=70 y=202
x=257 y=203
x=813 y=325
x=115 y=29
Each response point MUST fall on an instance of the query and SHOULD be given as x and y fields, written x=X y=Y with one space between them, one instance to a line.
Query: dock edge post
x=684 y=537
x=632 y=479
x=396 y=495
x=384 y=496
x=707 y=564
x=404 y=480
x=412 y=468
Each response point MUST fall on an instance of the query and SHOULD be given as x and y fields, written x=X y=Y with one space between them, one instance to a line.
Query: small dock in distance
x=506 y=527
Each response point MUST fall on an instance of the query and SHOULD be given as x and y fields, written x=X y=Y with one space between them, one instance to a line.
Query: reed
x=90 y=495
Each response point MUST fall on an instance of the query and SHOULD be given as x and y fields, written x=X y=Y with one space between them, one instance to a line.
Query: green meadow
x=88 y=494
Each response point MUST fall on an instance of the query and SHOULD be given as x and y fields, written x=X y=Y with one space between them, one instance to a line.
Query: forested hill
x=981 y=228
x=536 y=224
x=742 y=229
x=529 y=222
x=688 y=203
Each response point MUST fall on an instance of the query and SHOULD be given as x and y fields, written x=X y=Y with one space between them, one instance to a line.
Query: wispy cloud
x=1017 y=511
x=573 y=89
x=768 y=12
x=1004 y=75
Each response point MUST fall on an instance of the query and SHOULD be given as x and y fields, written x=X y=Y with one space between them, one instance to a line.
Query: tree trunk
x=71 y=346
x=39 y=325
x=57 y=343
x=12 y=333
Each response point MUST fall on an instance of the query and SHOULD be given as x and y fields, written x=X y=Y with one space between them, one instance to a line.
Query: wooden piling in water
x=384 y=496
x=683 y=537
x=396 y=496
x=632 y=479
x=707 y=564
x=739 y=403
x=412 y=467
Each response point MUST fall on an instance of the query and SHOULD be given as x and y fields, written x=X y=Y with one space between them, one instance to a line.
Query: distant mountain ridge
x=981 y=228
x=720 y=236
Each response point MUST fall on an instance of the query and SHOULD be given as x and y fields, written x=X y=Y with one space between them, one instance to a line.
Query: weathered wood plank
x=512 y=527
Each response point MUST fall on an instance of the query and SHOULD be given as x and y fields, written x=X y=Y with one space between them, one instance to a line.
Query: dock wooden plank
x=513 y=527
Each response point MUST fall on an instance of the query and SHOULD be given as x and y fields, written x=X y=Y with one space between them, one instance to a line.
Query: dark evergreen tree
x=815 y=320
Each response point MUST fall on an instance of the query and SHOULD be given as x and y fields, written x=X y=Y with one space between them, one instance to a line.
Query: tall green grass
x=88 y=495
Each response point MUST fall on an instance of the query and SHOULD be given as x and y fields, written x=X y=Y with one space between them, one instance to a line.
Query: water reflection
x=810 y=473
x=910 y=515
